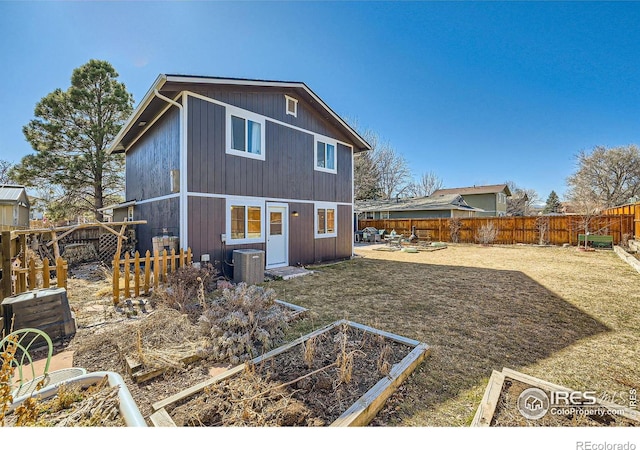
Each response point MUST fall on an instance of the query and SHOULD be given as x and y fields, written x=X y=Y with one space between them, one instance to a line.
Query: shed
x=14 y=207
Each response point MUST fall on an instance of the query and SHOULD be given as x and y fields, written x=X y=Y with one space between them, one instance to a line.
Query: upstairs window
x=292 y=106
x=325 y=157
x=245 y=134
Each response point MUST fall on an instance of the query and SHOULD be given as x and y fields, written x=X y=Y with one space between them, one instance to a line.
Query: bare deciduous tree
x=455 y=224
x=427 y=184
x=542 y=226
x=366 y=177
x=380 y=173
x=521 y=201
x=486 y=234
x=611 y=174
x=587 y=203
x=393 y=170
x=5 y=167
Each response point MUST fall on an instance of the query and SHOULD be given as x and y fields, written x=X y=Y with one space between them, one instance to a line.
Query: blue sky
x=478 y=92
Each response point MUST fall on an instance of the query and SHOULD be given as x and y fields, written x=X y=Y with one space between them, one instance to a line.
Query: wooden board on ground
x=359 y=413
x=486 y=411
x=139 y=374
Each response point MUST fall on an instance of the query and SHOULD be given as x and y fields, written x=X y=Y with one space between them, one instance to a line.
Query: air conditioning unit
x=248 y=266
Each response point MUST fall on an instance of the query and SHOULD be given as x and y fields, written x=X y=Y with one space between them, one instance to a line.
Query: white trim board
x=238 y=197
x=267 y=199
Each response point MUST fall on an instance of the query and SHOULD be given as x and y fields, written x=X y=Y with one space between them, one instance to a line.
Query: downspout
x=183 y=170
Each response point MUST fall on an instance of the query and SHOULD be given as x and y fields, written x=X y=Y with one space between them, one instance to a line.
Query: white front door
x=277 y=235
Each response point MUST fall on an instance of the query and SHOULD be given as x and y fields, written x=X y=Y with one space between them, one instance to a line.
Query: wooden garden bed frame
x=487 y=408
x=358 y=414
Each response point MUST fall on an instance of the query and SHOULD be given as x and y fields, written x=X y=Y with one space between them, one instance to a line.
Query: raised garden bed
x=141 y=373
x=502 y=404
x=340 y=375
x=93 y=399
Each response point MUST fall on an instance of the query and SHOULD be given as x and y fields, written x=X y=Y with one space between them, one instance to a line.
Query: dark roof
x=445 y=202
x=488 y=189
x=170 y=85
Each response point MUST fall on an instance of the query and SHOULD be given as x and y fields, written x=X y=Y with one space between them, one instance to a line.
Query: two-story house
x=492 y=199
x=228 y=163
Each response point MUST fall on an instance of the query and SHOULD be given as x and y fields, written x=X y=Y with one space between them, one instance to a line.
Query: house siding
x=150 y=161
x=487 y=202
x=270 y=102
x=158 y=214
x=204 y=234
x=287 y=171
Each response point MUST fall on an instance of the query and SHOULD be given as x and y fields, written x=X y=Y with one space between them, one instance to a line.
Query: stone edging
x=626 y=257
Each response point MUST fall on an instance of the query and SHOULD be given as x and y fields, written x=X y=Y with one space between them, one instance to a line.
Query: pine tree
x=553 y=203
x=70 y=135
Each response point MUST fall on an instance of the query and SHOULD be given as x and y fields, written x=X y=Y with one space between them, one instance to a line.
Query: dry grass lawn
x=570 y=317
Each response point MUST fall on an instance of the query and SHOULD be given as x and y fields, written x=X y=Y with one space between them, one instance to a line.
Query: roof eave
x=362 y=144
x=115 y=146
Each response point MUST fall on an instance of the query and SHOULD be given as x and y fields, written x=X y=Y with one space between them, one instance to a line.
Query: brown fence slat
x=160 y=264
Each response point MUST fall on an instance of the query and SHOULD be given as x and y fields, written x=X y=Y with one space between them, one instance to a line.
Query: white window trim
x=325 y=205
x=325 y=140
x=286 y=106
x=246 y=202
x=244 y=114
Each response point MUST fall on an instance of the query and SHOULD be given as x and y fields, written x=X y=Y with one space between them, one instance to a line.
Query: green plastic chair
x=27 y=340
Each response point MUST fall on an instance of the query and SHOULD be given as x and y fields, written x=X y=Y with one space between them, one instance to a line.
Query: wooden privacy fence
x=556 y=230
x=137 y=272
x=631 y=209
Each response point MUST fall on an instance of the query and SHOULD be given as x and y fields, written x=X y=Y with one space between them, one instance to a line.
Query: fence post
x=32 y=274
x=136 y=275
x=60 y=273
x=165 y=269
x=156 y=268
x=147 y=271
x=46 y=275
x=173 y=260
x=5 y=290
x=116 y=281
x=125 y=274
x=181 y=258
x=188 y=255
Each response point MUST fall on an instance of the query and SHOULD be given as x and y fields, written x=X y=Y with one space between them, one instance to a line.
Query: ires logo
x=534 y=403
x=575 y=398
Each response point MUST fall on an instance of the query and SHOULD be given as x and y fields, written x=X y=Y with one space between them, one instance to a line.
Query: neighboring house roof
x=444 y=202
x=169 y=85
x=471 y=190
x=11 y=193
